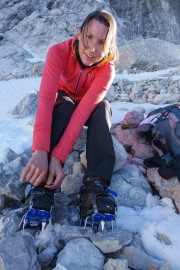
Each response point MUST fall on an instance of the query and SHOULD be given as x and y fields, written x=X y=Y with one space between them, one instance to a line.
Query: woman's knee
x=64 y=109
x=68 y=107
x=104 y=105
x=103 y=110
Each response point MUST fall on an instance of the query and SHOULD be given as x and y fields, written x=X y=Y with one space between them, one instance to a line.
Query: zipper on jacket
x=77 y=83
x=86 y=79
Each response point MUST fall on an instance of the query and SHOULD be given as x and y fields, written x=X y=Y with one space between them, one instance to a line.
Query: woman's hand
x=56 y=174
x=37 y=168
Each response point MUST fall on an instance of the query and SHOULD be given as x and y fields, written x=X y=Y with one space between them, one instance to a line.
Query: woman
x=76 y=77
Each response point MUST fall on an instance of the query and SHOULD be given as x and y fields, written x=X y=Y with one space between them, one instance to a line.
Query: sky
x=157 y=217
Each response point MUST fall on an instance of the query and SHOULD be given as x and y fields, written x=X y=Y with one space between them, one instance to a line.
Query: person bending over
x=76 y=77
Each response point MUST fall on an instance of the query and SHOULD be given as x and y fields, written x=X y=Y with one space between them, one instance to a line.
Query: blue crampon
x=99 y=212
x=100 y=222
x=39 y=202
x=36 y=219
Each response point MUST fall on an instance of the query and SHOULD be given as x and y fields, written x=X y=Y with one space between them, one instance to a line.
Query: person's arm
x=37 y=168
x=97 y=91
x=48 y=90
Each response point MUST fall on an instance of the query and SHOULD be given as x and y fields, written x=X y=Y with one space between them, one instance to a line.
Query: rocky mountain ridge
x=150 y=19
x=28 y=28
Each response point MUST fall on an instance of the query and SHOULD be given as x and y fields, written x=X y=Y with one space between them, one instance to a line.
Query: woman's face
x=91 y=49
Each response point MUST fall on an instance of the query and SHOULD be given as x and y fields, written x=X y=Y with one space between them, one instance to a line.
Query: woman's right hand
x=36 y=170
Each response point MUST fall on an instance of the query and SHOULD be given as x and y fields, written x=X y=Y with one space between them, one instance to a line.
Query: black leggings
x=99 y=146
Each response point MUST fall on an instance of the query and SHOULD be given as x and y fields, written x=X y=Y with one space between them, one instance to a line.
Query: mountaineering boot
x=97 y=206
x=39 y=201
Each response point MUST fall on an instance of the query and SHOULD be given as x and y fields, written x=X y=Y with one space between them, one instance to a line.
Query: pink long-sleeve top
x=87 y=87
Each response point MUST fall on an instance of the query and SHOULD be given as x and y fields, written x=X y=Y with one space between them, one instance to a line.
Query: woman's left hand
x=55 y=174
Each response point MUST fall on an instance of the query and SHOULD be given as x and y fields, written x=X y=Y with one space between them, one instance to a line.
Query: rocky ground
x=27 y=29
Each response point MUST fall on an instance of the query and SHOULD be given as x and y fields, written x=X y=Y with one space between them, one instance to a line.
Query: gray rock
x=71 y=159
x=153 y=18
x=131 y=187
x=120 y=154
x=60 y=267
x=109 y=242
x=166 y=98
x=15 y=64
x=26 y=107
x=163 y=238
x=18 y=164
x=17 y=251
x=66 y=209
x=81 y=141
x=47 y=256
x=115 y=264
x=8 y=155
x=10 y=220
x=72 y=184
x=166 y=266
x=131 y=254
x=80 y=254
x=10 y=186
x=65 y=233
x=149 y=54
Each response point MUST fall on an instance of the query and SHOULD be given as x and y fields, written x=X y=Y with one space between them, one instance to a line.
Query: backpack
x=161 y=128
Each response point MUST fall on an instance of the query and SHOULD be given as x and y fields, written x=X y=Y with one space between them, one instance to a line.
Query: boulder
x=149 y=54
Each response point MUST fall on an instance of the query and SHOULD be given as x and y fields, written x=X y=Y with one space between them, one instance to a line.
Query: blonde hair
x=104 y=17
